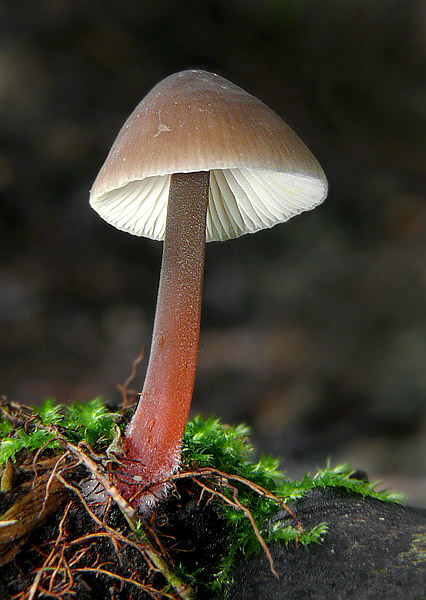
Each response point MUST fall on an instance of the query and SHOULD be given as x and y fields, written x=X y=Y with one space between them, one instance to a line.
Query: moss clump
x=227 y=449
x=250 y=496
x=32 y=429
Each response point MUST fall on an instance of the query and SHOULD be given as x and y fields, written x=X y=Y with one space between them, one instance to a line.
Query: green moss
x=36 y=429
x=210 y=444
x=249 y=493
x=340 y=476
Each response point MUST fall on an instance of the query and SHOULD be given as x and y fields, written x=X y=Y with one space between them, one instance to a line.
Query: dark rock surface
x=373 y=550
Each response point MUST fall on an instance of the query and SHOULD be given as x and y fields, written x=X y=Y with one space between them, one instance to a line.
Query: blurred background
x=313 y=332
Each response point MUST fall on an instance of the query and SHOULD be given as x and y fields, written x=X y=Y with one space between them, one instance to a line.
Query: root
x=130 y=401
x=221 y=482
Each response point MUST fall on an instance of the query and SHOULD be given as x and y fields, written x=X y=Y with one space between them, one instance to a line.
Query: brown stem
x=154 y=435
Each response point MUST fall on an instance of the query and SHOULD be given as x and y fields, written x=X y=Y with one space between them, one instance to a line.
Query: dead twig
x=124 y=389
x=27 y=513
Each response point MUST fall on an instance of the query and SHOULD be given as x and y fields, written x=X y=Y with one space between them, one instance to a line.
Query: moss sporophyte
x=65 y=458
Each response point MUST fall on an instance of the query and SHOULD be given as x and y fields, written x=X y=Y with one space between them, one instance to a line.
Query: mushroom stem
x=154 y=435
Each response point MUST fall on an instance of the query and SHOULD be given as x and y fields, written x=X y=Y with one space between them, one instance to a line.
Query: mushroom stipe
x=198 y=160
x=175 y=338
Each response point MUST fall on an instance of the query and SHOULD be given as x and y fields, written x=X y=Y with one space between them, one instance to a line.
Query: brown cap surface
x=261 y=172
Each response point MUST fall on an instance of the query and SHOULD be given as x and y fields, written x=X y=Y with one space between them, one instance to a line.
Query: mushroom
x=198 y=160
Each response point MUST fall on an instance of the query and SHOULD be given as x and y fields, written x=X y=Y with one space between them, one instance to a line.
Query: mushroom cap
x=261 y=172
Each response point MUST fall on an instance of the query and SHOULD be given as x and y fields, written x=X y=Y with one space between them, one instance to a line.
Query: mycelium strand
x=153 y=438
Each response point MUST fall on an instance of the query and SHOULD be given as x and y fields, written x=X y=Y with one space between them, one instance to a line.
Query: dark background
x=313 y=332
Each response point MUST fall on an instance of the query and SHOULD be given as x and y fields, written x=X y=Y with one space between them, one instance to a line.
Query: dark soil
x=186 y=528
x=373 y=550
